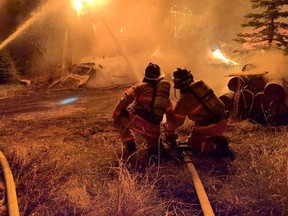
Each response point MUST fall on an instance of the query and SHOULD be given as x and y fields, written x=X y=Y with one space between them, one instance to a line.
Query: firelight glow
x=82 y=6
x=218 y=54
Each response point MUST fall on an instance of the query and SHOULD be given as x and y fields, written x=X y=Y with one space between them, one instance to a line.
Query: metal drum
x=260 y=108
x=237 y=83
x=243 y=103
x=256 y=83
x=279 y=112
x=275 y=90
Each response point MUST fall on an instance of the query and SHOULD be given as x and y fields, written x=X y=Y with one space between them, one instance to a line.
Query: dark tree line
x=26 y=46
x=13 y=13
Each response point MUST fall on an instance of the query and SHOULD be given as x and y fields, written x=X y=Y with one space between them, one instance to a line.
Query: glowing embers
x=68 y=100
x=83 y=6
x=219 y=55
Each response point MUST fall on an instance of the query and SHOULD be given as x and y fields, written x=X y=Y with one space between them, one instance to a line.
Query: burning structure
x=116 y=41
x=122 y=39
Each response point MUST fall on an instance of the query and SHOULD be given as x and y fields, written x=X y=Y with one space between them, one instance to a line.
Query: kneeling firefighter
x=199 y=103
x=141 y=110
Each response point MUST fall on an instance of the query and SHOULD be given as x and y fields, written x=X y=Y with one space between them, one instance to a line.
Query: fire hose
x=202 y=196
x=12 y=202
x=183 y=148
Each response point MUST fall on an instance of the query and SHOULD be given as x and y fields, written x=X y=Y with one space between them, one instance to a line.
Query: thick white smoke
x=172 y=35
x=273 y=62
x=124 y=36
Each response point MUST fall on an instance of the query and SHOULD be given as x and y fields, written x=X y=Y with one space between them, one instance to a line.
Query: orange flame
x=218 y=54
x=83 y=6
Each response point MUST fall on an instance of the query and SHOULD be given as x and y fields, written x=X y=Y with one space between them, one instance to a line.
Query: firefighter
x=199 y=103
x=141 y=110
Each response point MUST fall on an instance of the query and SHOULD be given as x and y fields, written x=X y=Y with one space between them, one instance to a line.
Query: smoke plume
x=124 y=36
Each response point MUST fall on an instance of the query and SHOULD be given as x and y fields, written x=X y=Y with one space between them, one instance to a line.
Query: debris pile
x=254 y=96
x=75 y=76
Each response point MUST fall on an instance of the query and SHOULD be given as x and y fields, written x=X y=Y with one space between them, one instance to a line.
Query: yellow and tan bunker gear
x=141 y=110
x=199 y=103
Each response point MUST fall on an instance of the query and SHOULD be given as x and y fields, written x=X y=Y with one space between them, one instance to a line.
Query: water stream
x=35 y=17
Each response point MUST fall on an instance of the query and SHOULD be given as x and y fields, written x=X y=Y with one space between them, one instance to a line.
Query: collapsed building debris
x=253 y=96
x=77 y=75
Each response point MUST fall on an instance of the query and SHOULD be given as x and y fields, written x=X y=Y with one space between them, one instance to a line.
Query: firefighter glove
x=171 y=138
x=117 y=118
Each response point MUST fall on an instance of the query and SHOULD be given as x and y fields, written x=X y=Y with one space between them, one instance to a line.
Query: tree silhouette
x=267 y=26
x=5 y=66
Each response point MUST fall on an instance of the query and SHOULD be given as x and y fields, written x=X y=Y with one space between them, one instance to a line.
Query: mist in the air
x=122 y=37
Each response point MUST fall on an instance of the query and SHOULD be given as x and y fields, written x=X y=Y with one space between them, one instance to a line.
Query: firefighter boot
x=158 y=154
x=171 y=139
x=153 y=155
x=130 y=149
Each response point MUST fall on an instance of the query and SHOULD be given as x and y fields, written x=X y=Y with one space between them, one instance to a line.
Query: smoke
x=124 y=36
x=108 y=74
x=171 y=35
x=2 y=2
x=273 y=62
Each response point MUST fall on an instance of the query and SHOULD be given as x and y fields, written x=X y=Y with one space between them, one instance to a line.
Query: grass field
x=66 y=160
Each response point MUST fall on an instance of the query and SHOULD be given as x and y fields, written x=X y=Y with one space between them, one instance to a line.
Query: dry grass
x=69 y=165
x=257 y=181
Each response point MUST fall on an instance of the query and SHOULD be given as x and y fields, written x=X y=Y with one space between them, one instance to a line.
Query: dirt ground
x=56 y=132
x=59 y=135
x=36 y=125
x=28 y=104
x=80 y=115
x=37 y=121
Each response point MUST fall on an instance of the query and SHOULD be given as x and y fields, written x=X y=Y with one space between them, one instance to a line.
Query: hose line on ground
x=12 y=202
x=202 y=196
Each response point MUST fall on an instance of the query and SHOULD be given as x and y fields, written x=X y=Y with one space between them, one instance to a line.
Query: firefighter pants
x=200 y=136
x=134 y=123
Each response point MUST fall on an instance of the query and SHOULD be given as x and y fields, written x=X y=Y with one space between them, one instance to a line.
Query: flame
x=218 y=54
x=83 y=6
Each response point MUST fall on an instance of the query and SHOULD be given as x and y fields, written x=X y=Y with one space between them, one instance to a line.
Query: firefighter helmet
x=153 y=73
x=182 y=77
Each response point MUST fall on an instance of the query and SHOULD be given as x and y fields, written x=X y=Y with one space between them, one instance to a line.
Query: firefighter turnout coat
x=134 y=113
x=197 y=106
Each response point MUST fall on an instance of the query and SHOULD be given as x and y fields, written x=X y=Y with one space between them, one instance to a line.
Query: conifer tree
x=5 y=66
x=269 y=25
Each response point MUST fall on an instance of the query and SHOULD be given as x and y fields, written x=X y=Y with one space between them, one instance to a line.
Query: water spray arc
x=35 y=17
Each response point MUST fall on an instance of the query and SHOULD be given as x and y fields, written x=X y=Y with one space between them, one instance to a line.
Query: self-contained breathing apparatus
x=184 y=81
x=160 y=97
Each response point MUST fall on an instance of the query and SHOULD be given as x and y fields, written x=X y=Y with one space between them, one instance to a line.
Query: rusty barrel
x=260 y=108
x=279 y=112
x=228 y=100
x=275 y=90
x=237 y=83
x=256 y=83
x=242 y=103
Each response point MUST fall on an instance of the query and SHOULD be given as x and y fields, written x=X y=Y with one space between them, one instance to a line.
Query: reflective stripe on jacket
x=143 y=127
